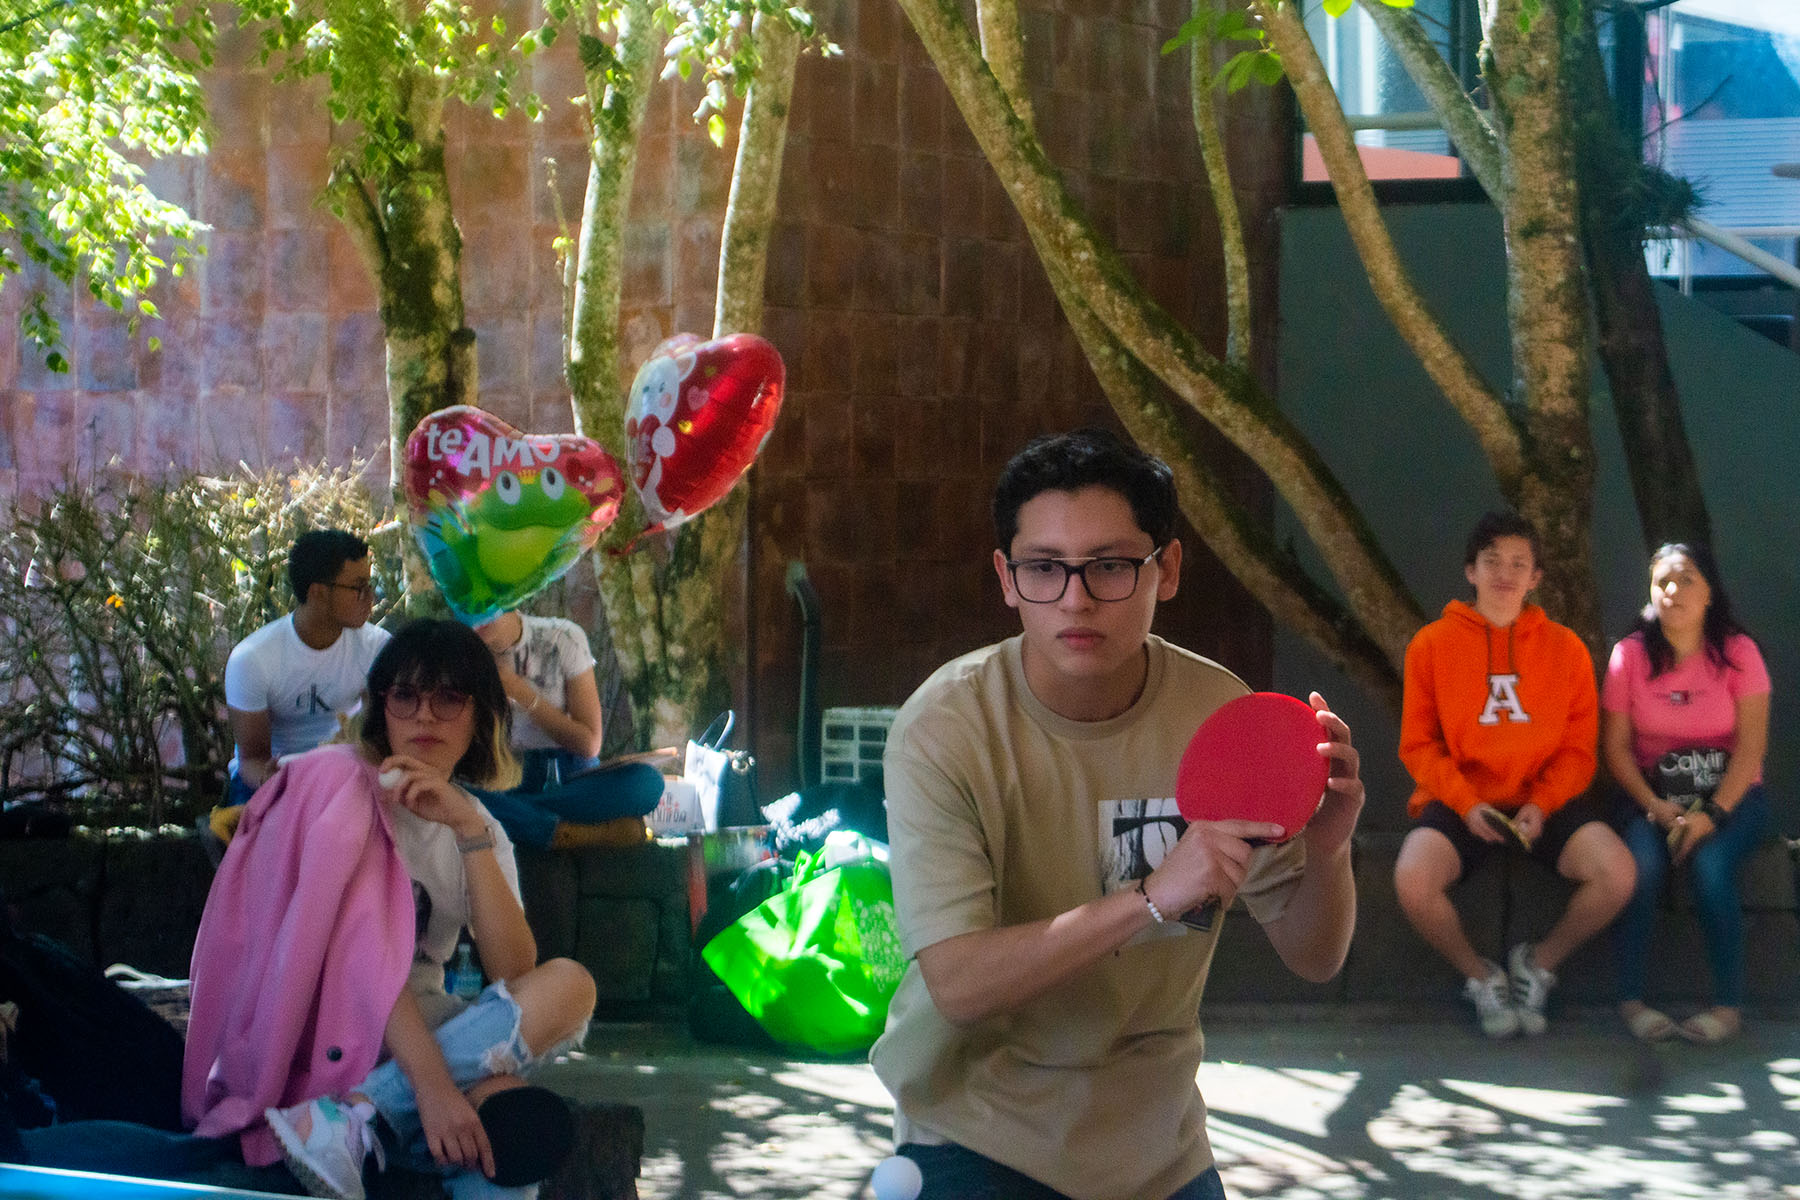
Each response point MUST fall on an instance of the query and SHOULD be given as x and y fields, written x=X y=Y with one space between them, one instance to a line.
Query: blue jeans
x=237 y=790
x=481 y=1040
x=1713 y=867
x=954 y=1172
x=530 y=812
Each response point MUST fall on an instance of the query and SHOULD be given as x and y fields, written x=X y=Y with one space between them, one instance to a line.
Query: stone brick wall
x=921 y=337
x=925 y=346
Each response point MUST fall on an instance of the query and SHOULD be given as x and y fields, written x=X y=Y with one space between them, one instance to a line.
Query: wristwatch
x=1717 y=813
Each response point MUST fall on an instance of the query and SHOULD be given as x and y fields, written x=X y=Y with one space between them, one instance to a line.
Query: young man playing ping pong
x=1501 y=718
x=1044 y=1039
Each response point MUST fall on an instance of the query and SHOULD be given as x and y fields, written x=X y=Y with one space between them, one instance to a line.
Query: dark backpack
x=88 y=1046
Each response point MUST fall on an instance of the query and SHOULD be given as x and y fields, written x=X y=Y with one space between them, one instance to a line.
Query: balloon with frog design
x=698 y=414
x=498 y=513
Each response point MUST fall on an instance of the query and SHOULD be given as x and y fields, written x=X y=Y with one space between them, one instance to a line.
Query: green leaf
x=1238 y=70
x=1267 y=68
x=715 y=129
x=1336 y=8
x=1194 y=28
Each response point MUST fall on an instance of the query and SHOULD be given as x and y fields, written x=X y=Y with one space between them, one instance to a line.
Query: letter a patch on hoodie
x=1503 y=695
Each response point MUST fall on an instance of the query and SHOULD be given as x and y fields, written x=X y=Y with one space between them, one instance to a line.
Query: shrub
x=120 y=600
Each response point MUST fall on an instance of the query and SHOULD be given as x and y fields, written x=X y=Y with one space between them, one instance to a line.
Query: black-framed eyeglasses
x=363 y=591
x=1044 y=580
x=446 y=704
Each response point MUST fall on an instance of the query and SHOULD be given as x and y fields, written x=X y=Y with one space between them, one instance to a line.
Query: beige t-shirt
x=1002 y=813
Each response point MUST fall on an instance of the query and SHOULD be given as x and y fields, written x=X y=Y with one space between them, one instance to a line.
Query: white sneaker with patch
x=1492 y=997
x=1530 y=989
x=324 y=1144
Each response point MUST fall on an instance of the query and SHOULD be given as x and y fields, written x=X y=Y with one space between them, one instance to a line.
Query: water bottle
x=465 y=976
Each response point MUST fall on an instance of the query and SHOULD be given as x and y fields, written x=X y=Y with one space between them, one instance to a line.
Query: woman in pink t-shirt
x=1683 y=729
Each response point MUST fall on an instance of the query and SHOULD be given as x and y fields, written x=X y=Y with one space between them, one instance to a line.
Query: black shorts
x=1559 y=827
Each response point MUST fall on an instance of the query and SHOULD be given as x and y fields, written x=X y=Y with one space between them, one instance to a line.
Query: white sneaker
x=1530 y=988
x=1492 y=998
x=324 y=1144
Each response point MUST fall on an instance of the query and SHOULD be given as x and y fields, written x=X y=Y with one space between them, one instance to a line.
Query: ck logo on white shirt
x=1503 y=695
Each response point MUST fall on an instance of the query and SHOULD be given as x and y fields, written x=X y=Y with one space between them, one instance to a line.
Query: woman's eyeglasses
x=446 y=704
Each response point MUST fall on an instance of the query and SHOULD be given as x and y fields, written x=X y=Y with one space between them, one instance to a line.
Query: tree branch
x=1003 y=46
x=1468 y=127
x=755 y=180
x=1201 y=82
x=1225 y=395
x=1449 y=368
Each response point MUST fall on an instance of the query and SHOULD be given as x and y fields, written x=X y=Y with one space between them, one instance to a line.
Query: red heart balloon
x=698 y=414
x=499 y=513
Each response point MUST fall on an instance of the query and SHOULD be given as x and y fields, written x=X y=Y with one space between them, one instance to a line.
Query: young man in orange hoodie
x=1500 y=719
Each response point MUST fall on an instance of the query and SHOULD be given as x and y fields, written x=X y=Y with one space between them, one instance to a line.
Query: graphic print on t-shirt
x=1134 y=836
x=539 y=660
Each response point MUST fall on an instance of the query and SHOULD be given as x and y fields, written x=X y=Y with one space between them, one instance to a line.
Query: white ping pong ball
x=896 y=1178
x=391 y=777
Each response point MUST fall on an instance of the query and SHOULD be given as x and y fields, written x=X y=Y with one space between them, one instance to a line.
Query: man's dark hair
x=432 y=655
x=1496 y=525
x=318 y=555
x=1091 y=457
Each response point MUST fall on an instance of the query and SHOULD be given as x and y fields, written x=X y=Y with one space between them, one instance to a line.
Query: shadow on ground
x=1303 y=1105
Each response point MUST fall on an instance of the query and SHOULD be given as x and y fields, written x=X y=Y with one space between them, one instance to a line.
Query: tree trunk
x=405 y=230
x=1225 y=395
x=1546 y=300
x=619 y=79
x=676 y=603
x=1664 y=479
x=1242 y=543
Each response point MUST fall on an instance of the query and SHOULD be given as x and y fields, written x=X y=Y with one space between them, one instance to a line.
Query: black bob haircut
x=432 y=655
x=1090 y=457
x=1495 y=525
x=318 y=555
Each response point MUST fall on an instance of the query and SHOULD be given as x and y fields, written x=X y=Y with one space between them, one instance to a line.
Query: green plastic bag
x=817 y=963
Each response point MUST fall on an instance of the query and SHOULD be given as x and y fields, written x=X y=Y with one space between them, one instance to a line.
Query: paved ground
x=1305 y=1106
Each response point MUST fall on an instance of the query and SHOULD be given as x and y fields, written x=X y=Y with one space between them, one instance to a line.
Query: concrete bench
x=1510 y=900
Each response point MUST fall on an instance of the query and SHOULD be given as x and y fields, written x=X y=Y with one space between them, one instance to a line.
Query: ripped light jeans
x=481 y=1040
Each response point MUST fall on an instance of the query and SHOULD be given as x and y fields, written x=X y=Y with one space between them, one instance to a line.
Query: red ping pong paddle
x=1256 y=758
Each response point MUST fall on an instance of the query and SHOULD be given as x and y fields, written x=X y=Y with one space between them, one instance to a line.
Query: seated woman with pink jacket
x=321 y=1030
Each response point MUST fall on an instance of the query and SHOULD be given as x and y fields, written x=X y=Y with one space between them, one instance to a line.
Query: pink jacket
x=304 y=946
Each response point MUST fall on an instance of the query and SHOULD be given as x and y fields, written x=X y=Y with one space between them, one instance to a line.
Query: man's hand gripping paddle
x=1255 y=759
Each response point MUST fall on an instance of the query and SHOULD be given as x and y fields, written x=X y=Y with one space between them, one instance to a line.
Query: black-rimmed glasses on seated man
x=446 y=705
x=363 y=591
x=1044 y=580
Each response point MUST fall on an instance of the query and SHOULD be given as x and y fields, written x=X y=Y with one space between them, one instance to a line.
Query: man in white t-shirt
x=1044 y=1039
x=288 y=684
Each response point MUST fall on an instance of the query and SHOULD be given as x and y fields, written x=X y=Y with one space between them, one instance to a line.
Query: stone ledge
x=621 y=912
x=1503 y=902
